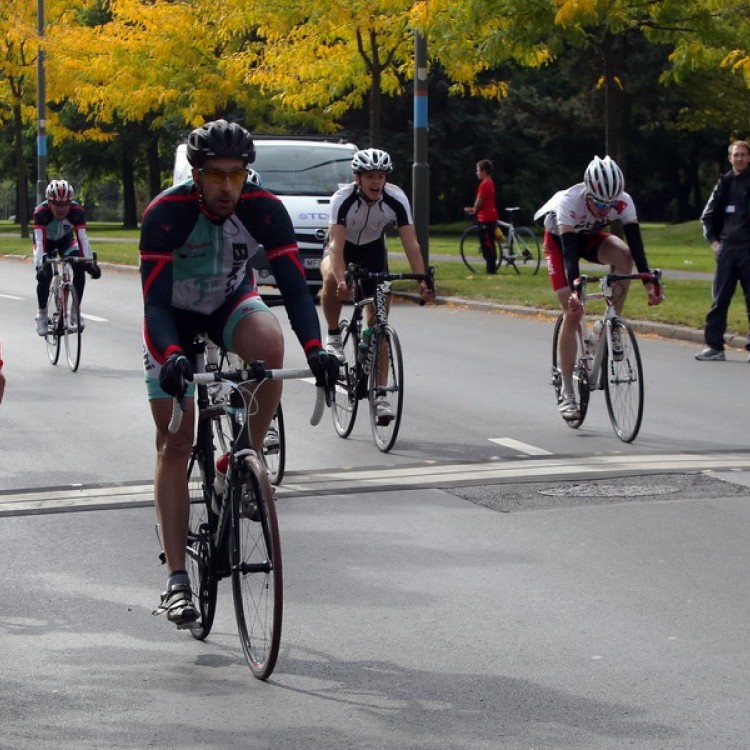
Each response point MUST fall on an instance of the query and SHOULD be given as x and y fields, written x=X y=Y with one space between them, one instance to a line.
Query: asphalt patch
x=511 y=498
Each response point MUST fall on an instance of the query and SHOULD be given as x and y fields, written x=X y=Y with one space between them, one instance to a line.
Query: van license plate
x=311 y=262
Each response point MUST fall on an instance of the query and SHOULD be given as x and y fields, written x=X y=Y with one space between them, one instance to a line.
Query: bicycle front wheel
x=386 y=388
x=52 y=339
x=274 y=447
x=203 y=580
x=345 y=398
x=72 y=326
x=471 y=250
x=257 y=582
x=524 y=253
x=623 y=385
x=580 y=376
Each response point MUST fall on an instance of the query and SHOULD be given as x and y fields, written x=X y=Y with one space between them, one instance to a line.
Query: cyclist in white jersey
x=574 y=220
x=360 y=214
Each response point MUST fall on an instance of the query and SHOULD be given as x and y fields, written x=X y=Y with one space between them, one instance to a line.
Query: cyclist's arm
x=408 y=235
x=336 y=242
x=634 y=239
x=569 y=244
x=77 y=217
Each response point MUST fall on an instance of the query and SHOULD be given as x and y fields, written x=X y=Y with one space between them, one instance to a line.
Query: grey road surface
x=497 y=581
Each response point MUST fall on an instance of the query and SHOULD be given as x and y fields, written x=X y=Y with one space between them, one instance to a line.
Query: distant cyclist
x=197 y=240
x=360 y=214
x=574 y=220
x=60 y=230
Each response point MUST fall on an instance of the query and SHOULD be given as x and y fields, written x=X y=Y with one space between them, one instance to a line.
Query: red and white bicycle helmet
x=59 y=191
x=371 y=160
x=604 y=179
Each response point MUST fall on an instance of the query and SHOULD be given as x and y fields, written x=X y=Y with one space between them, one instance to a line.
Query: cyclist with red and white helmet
x=360 y=214
x=574 y=223
x=60 y=229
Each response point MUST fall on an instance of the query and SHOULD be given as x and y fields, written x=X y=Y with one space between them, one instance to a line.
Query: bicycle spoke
x=624 y=385
x=346 y=397
x=386 y=382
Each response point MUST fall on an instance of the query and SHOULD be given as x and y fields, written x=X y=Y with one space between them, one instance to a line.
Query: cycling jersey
x=195 y=263
x=67 y=236
x=366 y=223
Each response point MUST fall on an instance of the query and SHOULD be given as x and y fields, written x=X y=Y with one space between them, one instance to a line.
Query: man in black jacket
x=726 y=228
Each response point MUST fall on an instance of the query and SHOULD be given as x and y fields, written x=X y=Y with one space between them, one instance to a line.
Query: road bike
x=64 y=311
x=233 y=529
x=274 y=444
x=607 y=358
x=373 y=366
x=517 y=247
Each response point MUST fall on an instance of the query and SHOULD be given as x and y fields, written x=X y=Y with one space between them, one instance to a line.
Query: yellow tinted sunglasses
x=217 y=176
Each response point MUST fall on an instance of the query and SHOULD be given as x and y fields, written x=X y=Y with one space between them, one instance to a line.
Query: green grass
x=676 y=247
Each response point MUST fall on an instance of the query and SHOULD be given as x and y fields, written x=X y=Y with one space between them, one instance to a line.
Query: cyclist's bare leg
x=259 y=337
x=329 y=301
x=170 y=479
x=615 y=253
x=567 y=345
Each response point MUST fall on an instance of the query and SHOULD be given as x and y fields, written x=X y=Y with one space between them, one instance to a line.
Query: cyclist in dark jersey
x=60 y=229
x=360 y=214
x=196 y=242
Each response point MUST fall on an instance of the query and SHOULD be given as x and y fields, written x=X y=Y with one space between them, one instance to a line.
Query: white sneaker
x=569 y=408
x=42 y=324
x=334 y=346
x=383 y=412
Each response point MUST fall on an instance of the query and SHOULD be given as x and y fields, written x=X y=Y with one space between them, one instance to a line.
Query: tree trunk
x=130 y=215
x=22 y=175
x=154 y=172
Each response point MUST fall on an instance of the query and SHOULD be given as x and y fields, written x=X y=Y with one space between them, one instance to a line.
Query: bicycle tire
x=623 y=385
x=345 y=398
x=580 y=377
x=200 y=550
x=471 y=249
x=524 y=253
x=274 y=448
x=72 y=326
x=52 y=339
x=257 y=579
x=386 y=344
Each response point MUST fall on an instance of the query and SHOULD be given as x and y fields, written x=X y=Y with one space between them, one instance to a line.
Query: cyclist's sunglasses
x=601 y=205
x=217 y=176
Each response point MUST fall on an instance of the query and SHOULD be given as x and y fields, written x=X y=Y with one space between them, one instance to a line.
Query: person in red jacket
x=485 y=210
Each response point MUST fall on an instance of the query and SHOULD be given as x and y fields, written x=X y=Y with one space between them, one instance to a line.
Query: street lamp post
x=421 y=168
x=41 y=97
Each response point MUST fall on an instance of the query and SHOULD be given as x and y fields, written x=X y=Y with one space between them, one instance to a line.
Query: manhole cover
x=609 y=490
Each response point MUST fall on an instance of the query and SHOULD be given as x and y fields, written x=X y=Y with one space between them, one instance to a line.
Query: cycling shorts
x=588 y=249
x=219 y=325
x=372 y=256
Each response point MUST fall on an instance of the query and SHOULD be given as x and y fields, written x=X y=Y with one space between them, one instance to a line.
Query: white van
x=304 y=173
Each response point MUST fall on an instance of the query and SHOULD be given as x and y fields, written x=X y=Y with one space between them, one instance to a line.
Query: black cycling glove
x=325 y=368
x=174 y=374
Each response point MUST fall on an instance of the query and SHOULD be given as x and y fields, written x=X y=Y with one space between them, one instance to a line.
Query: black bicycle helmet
x=219 y=138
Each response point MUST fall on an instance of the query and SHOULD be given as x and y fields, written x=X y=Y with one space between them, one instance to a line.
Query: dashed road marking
x=517 y=445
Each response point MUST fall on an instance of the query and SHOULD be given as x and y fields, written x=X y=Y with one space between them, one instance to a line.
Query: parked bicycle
x=373 y=367
x=607 y=359
x=233 y=530
x=64 y=311
x=517 y=247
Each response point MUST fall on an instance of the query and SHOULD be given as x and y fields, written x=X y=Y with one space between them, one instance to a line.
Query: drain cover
x=609 y=490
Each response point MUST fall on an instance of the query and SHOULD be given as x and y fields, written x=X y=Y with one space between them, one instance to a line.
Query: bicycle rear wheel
x=580 y=377
x=386 y=381
x=524 y=253
x=623 y=386
x=52 y=339
x=257 y=581
x=203 y=580
x=72 y=326
x=274 y=448
x=471 y=250
x=345 y=400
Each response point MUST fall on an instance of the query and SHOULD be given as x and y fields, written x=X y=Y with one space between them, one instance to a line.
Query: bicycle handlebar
x=356 y=272
x=255 y=373
x=654 y=277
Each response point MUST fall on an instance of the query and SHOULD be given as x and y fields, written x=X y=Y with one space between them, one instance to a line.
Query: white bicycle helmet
x=59 y=191
x=604 y=179
x=370 y=160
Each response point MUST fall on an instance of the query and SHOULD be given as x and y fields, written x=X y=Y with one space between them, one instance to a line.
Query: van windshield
x=303 y=170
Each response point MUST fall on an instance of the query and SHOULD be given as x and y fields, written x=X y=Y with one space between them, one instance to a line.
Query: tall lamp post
x=421 y=168
x=41 y=98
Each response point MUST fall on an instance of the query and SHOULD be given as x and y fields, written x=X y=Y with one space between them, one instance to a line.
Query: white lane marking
x=11 y=296
x=95 y=318
x=517 y=445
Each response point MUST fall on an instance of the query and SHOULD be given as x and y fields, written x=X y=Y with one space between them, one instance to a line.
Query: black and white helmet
x=254 y=177
x=371 y=160
x=59 y=191
x=219 y=138
x=604 y=179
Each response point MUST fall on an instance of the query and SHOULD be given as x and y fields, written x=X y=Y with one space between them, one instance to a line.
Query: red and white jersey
x=569 y=208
